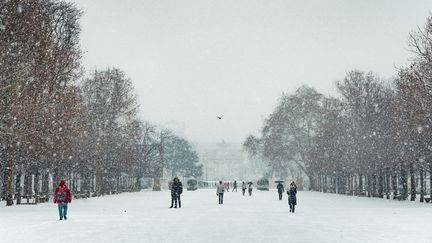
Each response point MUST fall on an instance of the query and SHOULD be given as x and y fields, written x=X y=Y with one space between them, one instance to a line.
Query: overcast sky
x=191 y=60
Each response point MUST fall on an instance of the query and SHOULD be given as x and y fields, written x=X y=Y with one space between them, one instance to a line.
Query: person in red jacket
x=62 y=197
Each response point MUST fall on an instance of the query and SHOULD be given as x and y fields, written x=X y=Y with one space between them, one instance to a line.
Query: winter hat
x=62 y=183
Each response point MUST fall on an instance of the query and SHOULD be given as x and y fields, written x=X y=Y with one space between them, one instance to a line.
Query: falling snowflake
x=19 y=8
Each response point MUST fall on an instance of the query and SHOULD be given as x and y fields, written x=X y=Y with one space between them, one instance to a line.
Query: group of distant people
x=62 y=195
x=221 y=188
x=176 y=188
x=292 y=194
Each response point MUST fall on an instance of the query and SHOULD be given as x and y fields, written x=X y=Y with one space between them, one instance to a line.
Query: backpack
x=61 y=195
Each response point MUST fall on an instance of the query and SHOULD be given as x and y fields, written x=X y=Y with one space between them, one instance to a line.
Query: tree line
x=373 y=138
x=56 y=124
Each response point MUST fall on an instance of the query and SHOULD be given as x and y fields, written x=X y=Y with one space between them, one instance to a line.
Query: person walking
x=220 y=192
x=235 y=186
x=250 y=189
x=62 y=197
x=243 y=188
x=280 y=189
x=176 y=190
x=292 y=196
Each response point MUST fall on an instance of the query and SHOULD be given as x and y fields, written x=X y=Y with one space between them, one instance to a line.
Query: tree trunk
x=345 y=185
x=354 y=186
x=138 y=183
x=56 y=177
x=72 y=182
x=18 y=188
x=28 y=184
x=338 y=183
x=374 y=184
x=98 y=184
x=93 y=182
x=395 y=185
x=369 y=185
x=348 y=184
x=430 y=181
x=45 y=183
x=4 y=183
x=1 y=182
x=156 y=184
x=312 y=182
x=325 y=183
x=404 y=182
x=84 y=182
x=36 y=186
x=381 y=184
x=11 y=154
x=413 y=182
x=421 y=185
x=360 y=184
x=387 y=185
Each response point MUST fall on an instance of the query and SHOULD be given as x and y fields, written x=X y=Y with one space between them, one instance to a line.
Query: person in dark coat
x=292 y=196
x=244 y=188
x=220 y=189
x=176 y=190
x=235 y=186
x=250 y=188
x=280 y=189
x=62 y=197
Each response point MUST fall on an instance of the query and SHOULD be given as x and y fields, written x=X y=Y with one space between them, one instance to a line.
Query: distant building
x=227 y=161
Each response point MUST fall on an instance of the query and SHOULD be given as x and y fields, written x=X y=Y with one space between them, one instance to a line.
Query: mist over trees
x=372 y=139
x=56 y=124
x=181 y=159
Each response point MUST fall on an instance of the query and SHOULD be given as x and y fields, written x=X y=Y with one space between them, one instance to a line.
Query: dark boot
x=65 y=217
x=179 y=203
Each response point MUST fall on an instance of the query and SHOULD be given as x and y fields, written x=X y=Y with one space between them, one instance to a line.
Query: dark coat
x=280 y=188
x=176 y=188
x=292 y=195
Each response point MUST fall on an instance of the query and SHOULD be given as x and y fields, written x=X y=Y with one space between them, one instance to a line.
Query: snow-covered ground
x=145 y=217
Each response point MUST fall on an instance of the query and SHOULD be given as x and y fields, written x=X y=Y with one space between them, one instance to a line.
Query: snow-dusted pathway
x=145 y=217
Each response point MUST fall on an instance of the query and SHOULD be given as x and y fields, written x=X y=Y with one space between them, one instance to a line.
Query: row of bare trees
x=373 y=138
x=55 y=124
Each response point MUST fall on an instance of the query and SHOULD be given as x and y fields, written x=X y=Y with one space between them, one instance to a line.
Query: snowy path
x=145 y=217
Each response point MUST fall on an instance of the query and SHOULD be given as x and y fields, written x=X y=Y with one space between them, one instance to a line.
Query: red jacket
x=62 y=193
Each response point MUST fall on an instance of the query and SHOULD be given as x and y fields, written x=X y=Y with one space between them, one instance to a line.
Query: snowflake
x=19 y=8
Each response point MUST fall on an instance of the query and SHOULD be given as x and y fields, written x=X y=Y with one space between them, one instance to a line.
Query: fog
x=193 y=60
